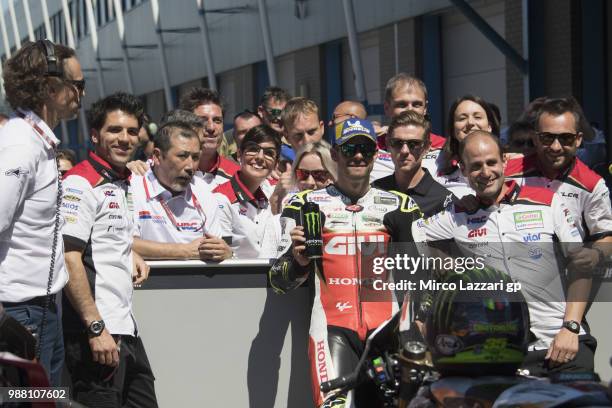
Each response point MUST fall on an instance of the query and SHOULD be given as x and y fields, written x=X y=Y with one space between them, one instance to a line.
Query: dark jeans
x=52 y=346
x=131 y=384
x=583 y=362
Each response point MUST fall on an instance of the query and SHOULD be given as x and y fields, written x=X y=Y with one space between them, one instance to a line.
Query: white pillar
x=5 y=38
x=93 y=32
x=28 y=17
x=47 y=22
x=267 y=40
x=14 y=23
x=162 y=55
x=126 y=60
x=208 y=60
x=349 y=15
x=68 y=23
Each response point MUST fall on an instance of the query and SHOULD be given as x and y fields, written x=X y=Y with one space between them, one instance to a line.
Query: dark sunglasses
x=275 y=113
x=253 y=149
x=79 y=85
x=414 y=146
x=320 y=176
x=565 y=139
x=367 y=150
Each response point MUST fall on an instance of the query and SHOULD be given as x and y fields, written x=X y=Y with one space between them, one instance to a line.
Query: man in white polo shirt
x=175 y=212
x=513 y=229
x=44 y=84
x=104 y=354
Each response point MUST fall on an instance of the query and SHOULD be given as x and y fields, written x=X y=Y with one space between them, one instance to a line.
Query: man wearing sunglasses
x=408 y=140
x=554 y=165
x=39 y=81
x=271 y=106
x=175 y=212
x=352 y=213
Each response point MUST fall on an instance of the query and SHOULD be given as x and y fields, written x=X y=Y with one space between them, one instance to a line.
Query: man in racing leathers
x=351 y=213
x=513 y=230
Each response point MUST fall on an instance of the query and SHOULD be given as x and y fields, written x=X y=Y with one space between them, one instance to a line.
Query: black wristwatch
x=95 y=328
x=572 y=326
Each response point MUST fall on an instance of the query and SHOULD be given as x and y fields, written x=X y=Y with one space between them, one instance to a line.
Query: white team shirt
x=585 y=193
x=189 y=215
x=247 y=218
x=28 y=180
x=455 y=181
x=221 y=171
x=515 y=237
x=99 y=221
x=383 y=166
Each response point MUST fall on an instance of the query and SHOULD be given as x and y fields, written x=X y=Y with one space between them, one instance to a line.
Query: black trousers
x=583 y=362
x=131 y=384
x=346 y=349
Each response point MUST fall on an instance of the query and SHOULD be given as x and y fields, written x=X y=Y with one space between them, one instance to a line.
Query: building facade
x=158 y=50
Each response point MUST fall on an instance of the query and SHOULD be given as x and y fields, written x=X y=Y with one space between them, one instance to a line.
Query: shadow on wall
x=280 y=313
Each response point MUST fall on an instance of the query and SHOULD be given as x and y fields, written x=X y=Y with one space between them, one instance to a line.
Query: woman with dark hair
x=466 y=115
x=245 y=214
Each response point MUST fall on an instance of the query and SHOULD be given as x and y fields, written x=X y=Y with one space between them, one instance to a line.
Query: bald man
x=524 y=222
x=348 y=110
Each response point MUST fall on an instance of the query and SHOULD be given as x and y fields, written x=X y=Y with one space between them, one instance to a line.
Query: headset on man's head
x=54 y=66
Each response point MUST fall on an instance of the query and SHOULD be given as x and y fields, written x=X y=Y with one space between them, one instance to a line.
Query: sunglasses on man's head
x=341 y=115
x=320 y=176
x=367 y=150
x=565 y=139
x=414 y=146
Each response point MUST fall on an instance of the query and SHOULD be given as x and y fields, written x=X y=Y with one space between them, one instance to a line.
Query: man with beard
x=554 y=165
x=44 y=84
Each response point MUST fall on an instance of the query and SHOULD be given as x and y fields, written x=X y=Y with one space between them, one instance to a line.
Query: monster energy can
x=311 y=221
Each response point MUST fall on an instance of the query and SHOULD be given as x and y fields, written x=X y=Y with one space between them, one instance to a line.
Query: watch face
x=572 y=326
x=96 y=327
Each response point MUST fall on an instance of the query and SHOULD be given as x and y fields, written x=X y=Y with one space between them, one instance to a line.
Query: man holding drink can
x=322 y=233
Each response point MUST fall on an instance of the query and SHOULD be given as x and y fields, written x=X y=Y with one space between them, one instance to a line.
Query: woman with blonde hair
x=312 y=169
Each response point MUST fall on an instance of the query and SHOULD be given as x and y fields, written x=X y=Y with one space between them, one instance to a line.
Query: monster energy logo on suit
x=311 y=220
